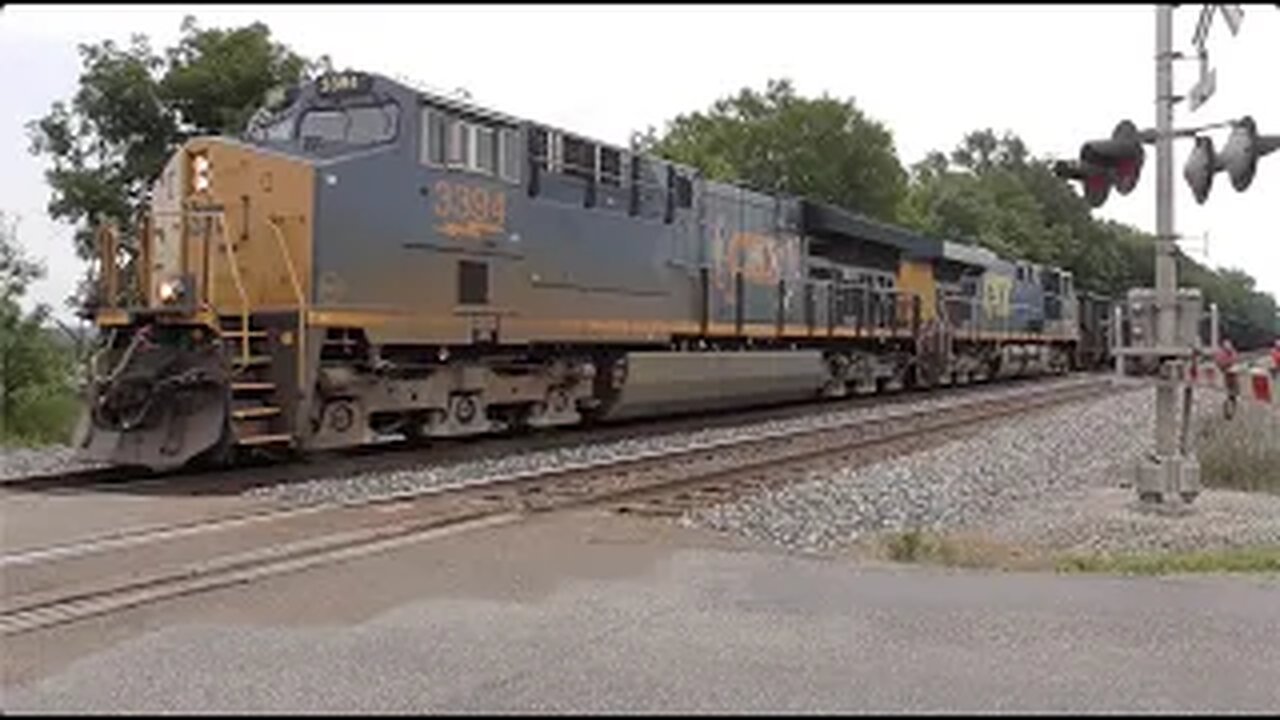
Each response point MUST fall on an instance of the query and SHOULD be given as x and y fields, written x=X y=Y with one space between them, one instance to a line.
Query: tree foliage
x=1247 y=316
x=37 y=396
x=777 y=141
x=134 y=107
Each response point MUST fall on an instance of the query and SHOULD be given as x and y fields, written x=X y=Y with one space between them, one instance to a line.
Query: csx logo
x=468 y=211
x=996 y=296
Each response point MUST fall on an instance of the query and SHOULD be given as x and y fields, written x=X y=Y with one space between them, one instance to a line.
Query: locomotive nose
x=234 y=225
x=227 y=245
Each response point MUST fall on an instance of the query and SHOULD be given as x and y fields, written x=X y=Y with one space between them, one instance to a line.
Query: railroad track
x=457 y=455
x=43 y=590
x=395 y=456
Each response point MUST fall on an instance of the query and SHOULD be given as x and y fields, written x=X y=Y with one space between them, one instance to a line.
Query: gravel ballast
x=1052 y=480
x=366 y=485
x=22 y=462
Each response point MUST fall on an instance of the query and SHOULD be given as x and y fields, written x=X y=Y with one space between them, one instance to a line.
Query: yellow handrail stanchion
x=107 y=250
x=244 y=299
x=302 y=301
x=144 y=258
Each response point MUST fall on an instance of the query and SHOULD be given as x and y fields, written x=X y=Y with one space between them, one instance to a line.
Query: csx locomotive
x=370 y=260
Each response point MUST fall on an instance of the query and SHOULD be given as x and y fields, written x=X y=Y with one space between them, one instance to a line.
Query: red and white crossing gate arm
x=1255 y=384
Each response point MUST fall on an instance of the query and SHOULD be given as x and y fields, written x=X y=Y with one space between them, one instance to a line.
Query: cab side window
x=468 y=144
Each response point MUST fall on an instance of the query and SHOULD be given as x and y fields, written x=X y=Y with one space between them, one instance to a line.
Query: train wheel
x=412 y=432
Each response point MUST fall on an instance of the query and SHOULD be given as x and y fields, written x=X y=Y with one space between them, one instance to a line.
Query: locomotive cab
x=335 y=116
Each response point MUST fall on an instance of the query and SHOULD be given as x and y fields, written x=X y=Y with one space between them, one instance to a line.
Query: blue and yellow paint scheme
x=362 y=224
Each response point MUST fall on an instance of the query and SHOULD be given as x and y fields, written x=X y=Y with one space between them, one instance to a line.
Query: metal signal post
x=1172 y=471
x=1162 y=474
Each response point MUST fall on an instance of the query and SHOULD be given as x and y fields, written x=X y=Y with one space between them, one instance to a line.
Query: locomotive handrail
x=206 y=279
x=145 y=231
x=107 y=257
x=113 y=290
x=219 y=214
x=244 y=297
x=301 y=297
x=185 y=215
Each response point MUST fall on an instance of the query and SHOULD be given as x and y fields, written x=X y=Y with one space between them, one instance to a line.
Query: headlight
x=170 y=291
x=202 y=173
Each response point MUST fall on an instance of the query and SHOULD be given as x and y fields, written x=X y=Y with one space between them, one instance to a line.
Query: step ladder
x=256 y=418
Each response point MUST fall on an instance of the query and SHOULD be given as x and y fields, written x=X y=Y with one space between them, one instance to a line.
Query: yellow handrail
x=302 y=302
x=244 y=297
x=107 y=252
x=143 y=276
x=205 y=296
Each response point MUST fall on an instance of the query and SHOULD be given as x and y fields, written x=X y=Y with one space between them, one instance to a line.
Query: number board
x=344 y=83
x=468 y=211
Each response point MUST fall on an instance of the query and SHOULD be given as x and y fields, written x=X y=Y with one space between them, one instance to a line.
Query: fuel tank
x=654 y=383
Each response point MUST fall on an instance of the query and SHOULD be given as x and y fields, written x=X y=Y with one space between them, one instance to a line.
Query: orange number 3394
x=469 y=204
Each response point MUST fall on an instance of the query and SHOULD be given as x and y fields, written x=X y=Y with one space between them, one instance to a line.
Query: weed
x=1242 y=453
x=1236 y=560
x=914 y=546
x=905 y=546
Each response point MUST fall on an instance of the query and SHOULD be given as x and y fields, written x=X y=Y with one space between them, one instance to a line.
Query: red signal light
x=1123 y=155
x=1094 y=180
x=1097 y=185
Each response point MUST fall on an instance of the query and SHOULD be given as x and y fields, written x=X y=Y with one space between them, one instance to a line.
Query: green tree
x=1246 y=315
x=777 y=141
x=37 y=393
x=984 y=193
x=134 y=107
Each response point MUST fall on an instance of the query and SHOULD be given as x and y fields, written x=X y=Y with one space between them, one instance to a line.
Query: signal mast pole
x=1167 y=457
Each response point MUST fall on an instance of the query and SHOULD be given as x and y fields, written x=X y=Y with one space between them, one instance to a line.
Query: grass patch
x=1242 y=453
x=40 y=416
x=1238 y=560
x=906 y=546
x=969 y=551
x=956 y=550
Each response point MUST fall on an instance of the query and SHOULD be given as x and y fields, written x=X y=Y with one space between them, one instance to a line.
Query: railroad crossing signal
x=1208 y=81
x=1094 y=181
x=1239 y=157
x=1244 y=147
x=1106 y=163
x=1201 y=166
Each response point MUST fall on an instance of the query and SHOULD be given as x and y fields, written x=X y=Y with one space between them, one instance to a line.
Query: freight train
x=370 y=260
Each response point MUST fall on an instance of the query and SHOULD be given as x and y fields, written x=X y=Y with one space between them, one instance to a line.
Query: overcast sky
x=1056 y=75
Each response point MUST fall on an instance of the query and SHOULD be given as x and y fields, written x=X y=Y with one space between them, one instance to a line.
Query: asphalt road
x=576 y=614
